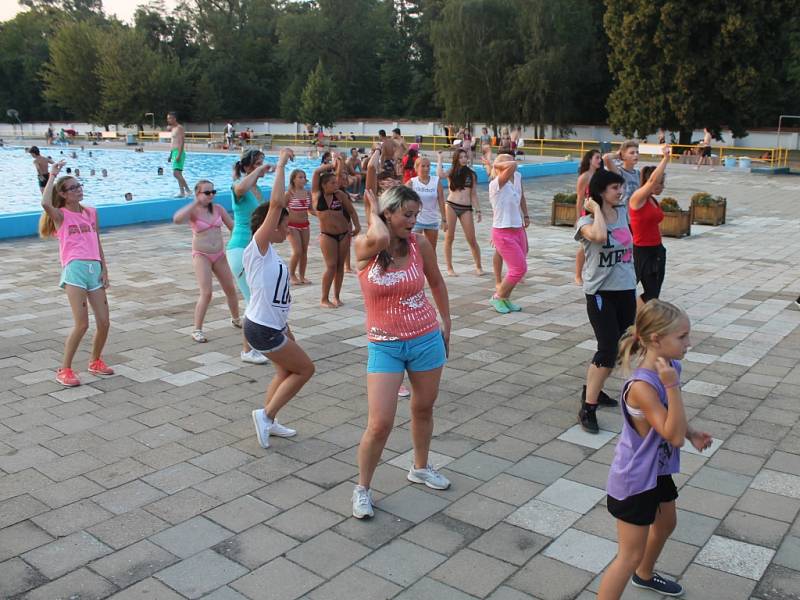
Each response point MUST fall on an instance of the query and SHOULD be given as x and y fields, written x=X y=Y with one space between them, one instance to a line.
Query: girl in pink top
x=84 y=275
x=403 y=332
x=208 y=253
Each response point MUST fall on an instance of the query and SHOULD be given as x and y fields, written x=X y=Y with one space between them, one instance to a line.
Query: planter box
x=676 y=223
x=563 y=214
x=713 y=214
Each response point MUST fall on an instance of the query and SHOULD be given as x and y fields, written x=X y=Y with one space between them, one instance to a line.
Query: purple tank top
x=638 y=460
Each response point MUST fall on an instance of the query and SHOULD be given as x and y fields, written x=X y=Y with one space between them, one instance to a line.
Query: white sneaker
x=429 y=476
x=403 y=392
x=199 y=337
x=254 y=356
x=262 y=427
x=279 y=430
x=362 y=503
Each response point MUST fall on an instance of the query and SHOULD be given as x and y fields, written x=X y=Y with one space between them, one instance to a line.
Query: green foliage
x=669 y=204
x=320 y=101
x=565 y=198
x=706 y=199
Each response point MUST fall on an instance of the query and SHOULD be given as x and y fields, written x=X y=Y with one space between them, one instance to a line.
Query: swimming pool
x=128 y=171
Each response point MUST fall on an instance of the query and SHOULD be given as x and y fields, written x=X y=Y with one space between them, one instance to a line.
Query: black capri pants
x=650 y=264
x=610 y=313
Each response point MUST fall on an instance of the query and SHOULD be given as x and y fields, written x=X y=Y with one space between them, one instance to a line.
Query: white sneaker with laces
x=362 y=503
x=254 y=356
x=279 y=430
x=262 y=427
x=429 y=476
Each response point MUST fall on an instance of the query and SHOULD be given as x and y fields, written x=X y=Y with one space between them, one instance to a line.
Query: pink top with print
x=77 y=236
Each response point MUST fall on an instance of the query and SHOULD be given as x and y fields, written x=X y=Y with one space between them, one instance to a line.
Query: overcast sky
x=124 y=9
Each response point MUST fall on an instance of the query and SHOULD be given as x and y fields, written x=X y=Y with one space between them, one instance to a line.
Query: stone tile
x=583 y=550
x=327 y=554
x=705 y=502
x=20 y=538
x=65 y=554
x=773 y=506
x=540 y=470
x=72 y=517
x=190 y=537
x=549 y=579
x=708 y=452
x=509 y=489
x=737 y=462
x=201 y=573
x=443 y=534
x=738 y=558
x=725 y=482
x=228 y=486
x=479 y=465
x=789 y=553
x=127 y=528
x=430 y=589
x=177 y=477
x=401 y=562
x=776 y=482
x=221 y=460
x=510 y=544
x=571 y=495
x=17 y=577
x=479 y=510
x=698 y=580
x=287 y=492
x=412 y=504
x=304 y=521
x=369 y=586
x=127 y=497
x=224 y=593
x=242 y=513
x=256 y=546
x=576 y=435
x=543 y=518
x=78 y=584
x=405 y=460
x=279 y=579
x=20 y=508
x=695 y=386
x=375 y=532
x=181 y=506
x=754 y=529
x=66 y=492
x=134 y=563
x=149 y=589
x=675 y=557
x=473 y=572
x=694 y=528
x=779 y=583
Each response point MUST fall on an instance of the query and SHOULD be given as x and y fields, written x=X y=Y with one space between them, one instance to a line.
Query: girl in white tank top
x=432 y=214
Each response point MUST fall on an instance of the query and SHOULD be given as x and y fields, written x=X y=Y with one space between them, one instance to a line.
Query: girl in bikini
x=208 y=253
x=461 y=202
x=332 y=207
x=298 y=201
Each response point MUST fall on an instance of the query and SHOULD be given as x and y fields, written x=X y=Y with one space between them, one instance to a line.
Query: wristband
x=674 y=385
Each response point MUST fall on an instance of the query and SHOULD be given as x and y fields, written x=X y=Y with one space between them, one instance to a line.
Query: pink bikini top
x=198 y=225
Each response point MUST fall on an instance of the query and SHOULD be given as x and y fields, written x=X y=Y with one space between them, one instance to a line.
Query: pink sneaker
x=403 y=392
x=98 y=367
x=67 y=377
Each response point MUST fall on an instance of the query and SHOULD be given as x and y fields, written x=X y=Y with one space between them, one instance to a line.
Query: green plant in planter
x=669 y=204
x=565 y=198
x=706 y=199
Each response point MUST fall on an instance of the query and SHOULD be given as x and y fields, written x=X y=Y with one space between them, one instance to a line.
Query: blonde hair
x=505 y=158
x=627 y=144
x=419 y=162
x=46 y=226
x=655 y=318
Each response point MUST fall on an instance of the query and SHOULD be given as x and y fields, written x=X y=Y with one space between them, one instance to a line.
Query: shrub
x=670 y=205
x=565 y=198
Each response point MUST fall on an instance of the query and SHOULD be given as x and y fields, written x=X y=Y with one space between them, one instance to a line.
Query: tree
x=207 y=104
x=682 y=65
x=70 y=77
x=321 y=102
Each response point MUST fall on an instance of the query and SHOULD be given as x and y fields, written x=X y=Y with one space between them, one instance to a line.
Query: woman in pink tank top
x=403 y=333
x=84 y=274
x=208 y=253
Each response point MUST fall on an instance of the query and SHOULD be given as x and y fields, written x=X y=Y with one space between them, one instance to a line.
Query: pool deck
x=151 y=485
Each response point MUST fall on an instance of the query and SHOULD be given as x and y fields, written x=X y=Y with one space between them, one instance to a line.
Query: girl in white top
x=265 y=323
x=431 y=195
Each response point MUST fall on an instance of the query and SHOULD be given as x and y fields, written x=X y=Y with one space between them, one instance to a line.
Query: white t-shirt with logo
x=429 y=196
x=505 y=202
x=268 y=280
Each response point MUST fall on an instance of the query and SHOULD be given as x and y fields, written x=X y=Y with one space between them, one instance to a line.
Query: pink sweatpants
x=512 y=244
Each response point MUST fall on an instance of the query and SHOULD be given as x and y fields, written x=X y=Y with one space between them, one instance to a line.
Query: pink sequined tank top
x=395 y=301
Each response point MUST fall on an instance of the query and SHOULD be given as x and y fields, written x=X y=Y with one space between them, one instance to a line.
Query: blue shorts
x=86 y=274
x=420 y=227
x=262 y=338
x=423 y=353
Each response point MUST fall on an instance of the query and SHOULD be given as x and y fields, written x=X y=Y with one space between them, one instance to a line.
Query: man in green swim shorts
x=177 y=153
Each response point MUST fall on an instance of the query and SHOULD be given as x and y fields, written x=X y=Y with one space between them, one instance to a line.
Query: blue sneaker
x=511 y=306
x=658 y=584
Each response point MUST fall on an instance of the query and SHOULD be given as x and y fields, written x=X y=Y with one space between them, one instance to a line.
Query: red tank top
x=395 y=301
x=644 y=223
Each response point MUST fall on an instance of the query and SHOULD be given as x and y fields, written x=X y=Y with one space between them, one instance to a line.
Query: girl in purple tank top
x=641 y=493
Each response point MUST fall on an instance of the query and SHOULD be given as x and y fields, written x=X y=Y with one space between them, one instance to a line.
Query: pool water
x=128 y=171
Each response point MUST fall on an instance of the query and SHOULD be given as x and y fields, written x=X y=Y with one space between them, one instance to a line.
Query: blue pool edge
x=26 y=224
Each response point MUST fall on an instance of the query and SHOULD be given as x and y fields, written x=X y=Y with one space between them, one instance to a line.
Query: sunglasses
x=209 y=192
x=73 y=188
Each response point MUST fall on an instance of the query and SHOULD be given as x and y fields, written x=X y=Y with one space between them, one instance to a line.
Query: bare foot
x=295 y=280
x=348 y=270
x=479 y=272
x=327 y=304
x=452 y=273
x=337 y=303
x=305 y=281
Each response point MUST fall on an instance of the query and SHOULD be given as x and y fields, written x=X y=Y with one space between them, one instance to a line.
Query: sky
x=124 y=9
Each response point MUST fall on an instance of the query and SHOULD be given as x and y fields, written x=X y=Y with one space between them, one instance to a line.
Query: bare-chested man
x=40 y=164
x=177 y=153
x=353 y=165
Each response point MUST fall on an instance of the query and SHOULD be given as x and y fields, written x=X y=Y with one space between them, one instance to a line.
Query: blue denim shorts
x=423 y=353
x=420 y=227
x=86 y=274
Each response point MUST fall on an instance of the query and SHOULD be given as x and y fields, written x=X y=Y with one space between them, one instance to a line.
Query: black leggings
x=650 y=264
x=610 y=313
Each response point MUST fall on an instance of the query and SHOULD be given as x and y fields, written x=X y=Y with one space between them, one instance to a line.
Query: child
x=624 y=163
x=298 y=201
x=641 y=493
x=265 y=323
x=40 y=163
x=84 y=275
x=208 y=253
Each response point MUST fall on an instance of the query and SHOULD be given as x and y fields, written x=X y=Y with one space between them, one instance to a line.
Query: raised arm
x=377 y=236
x=276 y=202
x=505 y=171
x=596 y=231
x=640 y=196
x=608 y=161
x=240 y=188
x=372 y=172
x=318 y=173
x=185 y=214
x=439 y=169
x=47 y=195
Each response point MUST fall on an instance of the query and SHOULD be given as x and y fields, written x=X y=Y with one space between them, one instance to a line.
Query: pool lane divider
x=137 y=212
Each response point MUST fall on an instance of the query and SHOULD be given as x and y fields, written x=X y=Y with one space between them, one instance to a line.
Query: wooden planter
x=563 y=214
x=709 y=214
x=676 y=223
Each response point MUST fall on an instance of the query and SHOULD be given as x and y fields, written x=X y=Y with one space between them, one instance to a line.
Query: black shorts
x=262 y=338
x=650 y=265
x=706 y=151
x=610 y=313
x=641 y=509
x=42 y=179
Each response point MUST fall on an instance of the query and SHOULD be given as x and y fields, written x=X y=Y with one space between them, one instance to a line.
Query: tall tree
x=682 y=65
x=321 y=101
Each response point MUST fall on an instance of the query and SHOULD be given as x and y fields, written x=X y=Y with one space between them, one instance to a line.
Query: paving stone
x=305 y=521
x=17 y=577
x=65 y=554
x=221 y=460
x=327 y=554
x=479 y=465
x=127 y=497
x=510 y=544
x=134 y=563
x=779 y=583
x=705 y=502
x=473 y=572
x=201 y=573
x=237 y=515
x=190 y=537
x=181 y=506
x=277 y=580
x=78 y=584
x=789 y=553
x=20 y=508
x=412 y=504
x=19 y=538
x=769 y=505
x=430 y=589
x=732 y=556
x=540 y=470
x=369 y=586
x=229 y=485
x=753 y=529
x=675 y=557
x=571 y=495
x=699 y=580
x=177 y=477
x=744 y=464
x=70 y=518
x=543 y=518
x=717 y=480
x=149 y=589
x=479 y=510
x=583 y=550
x=287 y=492
x=443 y=534
x=377 y=531
x=694 y=528
x=549 y=579
x=224 y=593
x=401 y=562
x=66 y=492
x=776 y=482
x=256 y=546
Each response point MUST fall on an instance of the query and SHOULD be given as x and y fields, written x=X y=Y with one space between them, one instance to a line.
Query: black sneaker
x=603 y=399
x=588 y=419
x=797 y=301
x=658 y=584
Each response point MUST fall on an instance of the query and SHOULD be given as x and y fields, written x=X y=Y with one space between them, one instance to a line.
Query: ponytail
x=630 y=346
x=656 y=318
x=247 y=159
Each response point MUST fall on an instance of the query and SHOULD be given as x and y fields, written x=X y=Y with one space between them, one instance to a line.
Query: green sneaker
x=511 y=306
x=500 y=306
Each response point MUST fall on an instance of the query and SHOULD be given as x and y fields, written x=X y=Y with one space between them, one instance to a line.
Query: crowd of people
x=407 y=310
